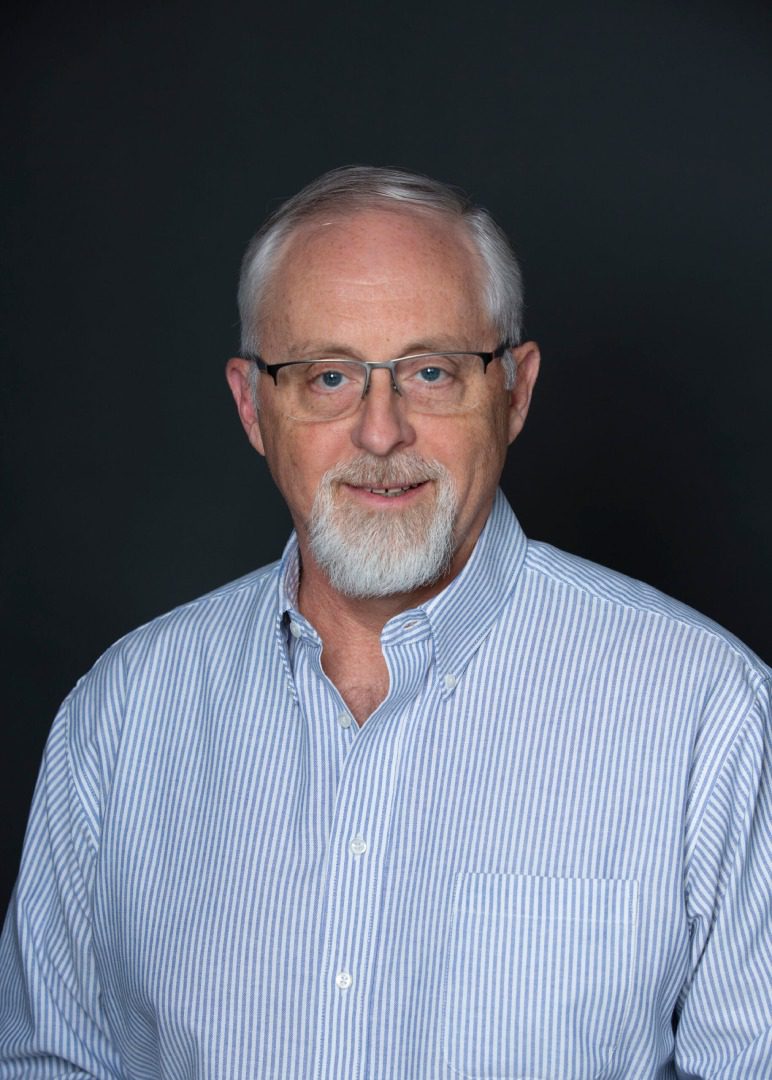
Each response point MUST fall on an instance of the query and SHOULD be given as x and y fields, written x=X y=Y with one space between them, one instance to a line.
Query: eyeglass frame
x=373 y=365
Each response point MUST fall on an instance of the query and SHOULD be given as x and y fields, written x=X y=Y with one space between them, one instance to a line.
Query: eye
x=324 y=377
x=431 y=374
x=331 y=379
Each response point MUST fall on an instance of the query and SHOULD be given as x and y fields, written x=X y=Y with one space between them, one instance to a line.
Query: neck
x=350 y=628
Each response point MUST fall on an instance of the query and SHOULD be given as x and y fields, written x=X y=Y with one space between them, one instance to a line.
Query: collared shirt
x=546 y=854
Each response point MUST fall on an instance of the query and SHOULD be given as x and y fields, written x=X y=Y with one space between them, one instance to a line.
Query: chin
x=367 y=546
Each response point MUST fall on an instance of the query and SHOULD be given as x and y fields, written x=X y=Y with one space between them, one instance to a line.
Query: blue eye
x=430 y=374
x=323 y=377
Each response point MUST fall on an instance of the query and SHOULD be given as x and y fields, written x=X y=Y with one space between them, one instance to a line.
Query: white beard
x=368 y=553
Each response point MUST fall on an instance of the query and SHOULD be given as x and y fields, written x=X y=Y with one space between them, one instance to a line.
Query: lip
x=370 y=498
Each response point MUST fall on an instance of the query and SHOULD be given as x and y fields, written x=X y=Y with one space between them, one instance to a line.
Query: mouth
x=392 y=491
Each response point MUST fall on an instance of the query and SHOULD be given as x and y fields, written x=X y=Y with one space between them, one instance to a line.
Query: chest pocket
x=539 y=974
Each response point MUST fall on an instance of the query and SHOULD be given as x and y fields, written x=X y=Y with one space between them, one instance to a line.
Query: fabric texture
x=545 y=855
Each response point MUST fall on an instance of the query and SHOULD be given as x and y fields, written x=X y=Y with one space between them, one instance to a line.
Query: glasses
x=440 y=384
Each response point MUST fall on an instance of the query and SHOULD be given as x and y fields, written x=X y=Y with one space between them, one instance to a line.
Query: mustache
x=400 y=470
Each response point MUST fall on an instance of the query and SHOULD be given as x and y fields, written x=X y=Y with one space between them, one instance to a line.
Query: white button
x=343 y=980
x=450 y=681
x=344 y=719
x=358 y=846
x=295 y=629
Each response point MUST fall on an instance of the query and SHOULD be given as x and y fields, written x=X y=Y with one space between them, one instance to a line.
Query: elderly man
x=425 y=799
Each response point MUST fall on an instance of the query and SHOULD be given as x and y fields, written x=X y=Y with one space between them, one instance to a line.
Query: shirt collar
x=289 y=577
x=289 y=581
x=462 y=614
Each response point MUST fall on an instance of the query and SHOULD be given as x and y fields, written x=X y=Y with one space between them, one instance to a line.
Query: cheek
x=298 y=462
x=281 y=459
x=479 y=448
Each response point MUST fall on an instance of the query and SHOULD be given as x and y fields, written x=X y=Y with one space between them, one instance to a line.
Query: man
x=425 y=799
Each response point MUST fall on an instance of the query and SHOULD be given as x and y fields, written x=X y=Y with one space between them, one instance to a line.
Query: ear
x=237 y=372
x=527 y=358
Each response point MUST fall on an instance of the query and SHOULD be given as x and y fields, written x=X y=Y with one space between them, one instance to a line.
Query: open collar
x=461 y=615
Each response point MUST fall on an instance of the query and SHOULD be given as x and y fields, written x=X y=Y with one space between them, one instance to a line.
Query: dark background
x=624 y=146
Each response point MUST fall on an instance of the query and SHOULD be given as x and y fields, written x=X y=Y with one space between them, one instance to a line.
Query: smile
x=390 y=492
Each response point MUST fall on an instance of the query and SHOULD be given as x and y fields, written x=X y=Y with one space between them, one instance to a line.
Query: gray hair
x=359 y=187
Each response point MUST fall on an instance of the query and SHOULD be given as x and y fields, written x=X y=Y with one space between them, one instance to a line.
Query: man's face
x=376 y=285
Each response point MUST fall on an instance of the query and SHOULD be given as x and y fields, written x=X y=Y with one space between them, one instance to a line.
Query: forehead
x=385 y=271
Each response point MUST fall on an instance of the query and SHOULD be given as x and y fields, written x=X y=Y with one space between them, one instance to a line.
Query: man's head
x=388 y=494
x=354 y=188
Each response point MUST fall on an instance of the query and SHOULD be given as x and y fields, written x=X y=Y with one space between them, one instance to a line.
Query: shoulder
x=212 y=618
x=174 y=649
x=617 y=598
x=158 y=682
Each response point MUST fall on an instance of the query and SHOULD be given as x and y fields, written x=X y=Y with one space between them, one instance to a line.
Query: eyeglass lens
x=434 y=383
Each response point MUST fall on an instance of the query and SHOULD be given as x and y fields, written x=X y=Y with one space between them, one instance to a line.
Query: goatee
x=371 y=552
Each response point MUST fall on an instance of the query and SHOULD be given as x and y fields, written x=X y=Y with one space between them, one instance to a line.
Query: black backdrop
x=625 y=148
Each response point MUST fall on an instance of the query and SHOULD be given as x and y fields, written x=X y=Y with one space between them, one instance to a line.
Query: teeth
x=390 y=492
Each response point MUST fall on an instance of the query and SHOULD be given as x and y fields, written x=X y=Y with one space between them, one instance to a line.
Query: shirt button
x=343 y=980
x=450 y=682
x=358 y=846
x=344 y=719
x=295 y=629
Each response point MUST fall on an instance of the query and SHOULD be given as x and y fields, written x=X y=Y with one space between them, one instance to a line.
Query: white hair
x=359 y=187
x=367 y=553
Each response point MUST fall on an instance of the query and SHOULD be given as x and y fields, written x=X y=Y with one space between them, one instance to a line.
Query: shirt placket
x=357 y=858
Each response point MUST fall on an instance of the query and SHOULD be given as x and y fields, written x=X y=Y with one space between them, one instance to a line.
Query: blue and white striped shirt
x=545 y=855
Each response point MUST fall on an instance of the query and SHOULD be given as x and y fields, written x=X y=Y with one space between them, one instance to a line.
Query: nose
x=381 y=422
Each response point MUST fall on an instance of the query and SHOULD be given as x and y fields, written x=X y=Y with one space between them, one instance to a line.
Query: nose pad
x=392 y=370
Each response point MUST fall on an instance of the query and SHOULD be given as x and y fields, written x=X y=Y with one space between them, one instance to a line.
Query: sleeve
x=51 y=1020
x=725 y=1024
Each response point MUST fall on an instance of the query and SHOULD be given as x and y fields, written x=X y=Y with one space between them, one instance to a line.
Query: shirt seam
x=641 y=607
x=255 y=581
x=740 y=737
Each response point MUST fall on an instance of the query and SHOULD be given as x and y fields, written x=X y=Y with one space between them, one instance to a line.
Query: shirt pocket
x=538 y=977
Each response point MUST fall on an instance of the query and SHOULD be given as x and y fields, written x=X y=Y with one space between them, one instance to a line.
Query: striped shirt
x=545 y=855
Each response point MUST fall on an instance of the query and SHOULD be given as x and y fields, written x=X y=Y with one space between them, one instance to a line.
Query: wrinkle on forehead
x=379 y=261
